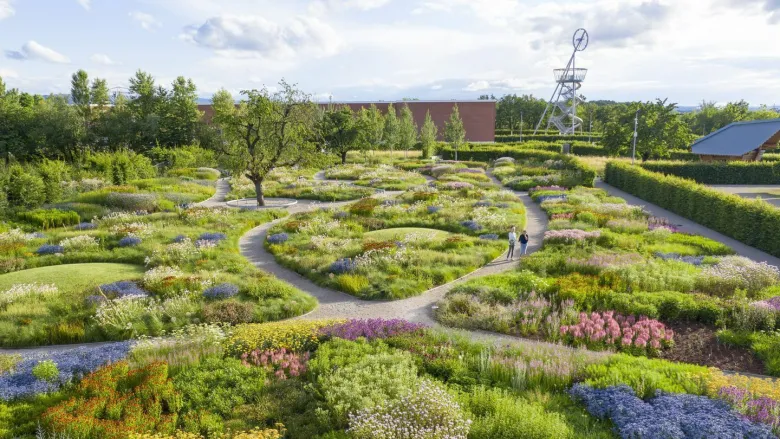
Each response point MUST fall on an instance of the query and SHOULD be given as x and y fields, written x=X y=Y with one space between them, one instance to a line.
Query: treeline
x=94 y=119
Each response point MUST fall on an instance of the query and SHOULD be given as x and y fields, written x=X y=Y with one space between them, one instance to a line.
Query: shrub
x=281 y=363
x=666 y=415
x=635 y=335
x=342 y=266
x=80 y=243
x=229 y=311
x=221 y=291
x=122 y=289
x=46 y=370
x=370 y=329
x=471 y=225
x=364 y=207
x=130 y=241
x=21 y=291
x=426 y=411
x=50 y=249
x=298 y=336
x=49 y=218
x=24 y=189
x=279 y=238
x=734 y=273
x=569 y=235
x=132 y=202
x=719 y=172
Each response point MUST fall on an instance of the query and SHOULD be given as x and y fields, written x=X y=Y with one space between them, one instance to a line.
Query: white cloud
x=437 y=87
x=478 y=86
x=249 y=36
x=31 y=50
x=147 y=21
x=366 y=4
x=6 y=9
x=86 y=4
x=101 y=58
x=8 y=73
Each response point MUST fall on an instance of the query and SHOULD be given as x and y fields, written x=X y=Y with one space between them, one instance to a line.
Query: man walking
x=523 y=243
x=510 y=255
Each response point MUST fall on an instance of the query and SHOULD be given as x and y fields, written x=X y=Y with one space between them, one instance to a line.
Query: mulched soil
x=698 y=344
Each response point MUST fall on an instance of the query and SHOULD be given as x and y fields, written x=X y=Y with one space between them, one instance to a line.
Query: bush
x=132 y=202
x=733 y=273
x=24 y=189
x=129 y=241
x=233 y=312
x=49 y=218
x=221 y=291
x=46 y=370
x=298 y=336
x=279 y=238
x=79 y=243
x=746 y=220
x=364 y=207
x=50 y=249
x=720 y=172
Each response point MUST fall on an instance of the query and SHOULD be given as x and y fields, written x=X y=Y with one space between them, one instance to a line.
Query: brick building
x=479 y=117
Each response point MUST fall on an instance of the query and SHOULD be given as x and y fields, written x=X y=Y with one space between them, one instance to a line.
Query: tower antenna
x=563 y=102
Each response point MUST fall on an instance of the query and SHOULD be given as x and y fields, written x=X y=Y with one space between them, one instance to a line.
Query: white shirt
x=512 y=237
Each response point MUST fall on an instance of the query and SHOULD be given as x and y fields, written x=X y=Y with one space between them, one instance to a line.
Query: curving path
x=218 y=199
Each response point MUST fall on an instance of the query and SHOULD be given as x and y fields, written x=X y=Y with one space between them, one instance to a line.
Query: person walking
x=510 y=255
x=524 y=243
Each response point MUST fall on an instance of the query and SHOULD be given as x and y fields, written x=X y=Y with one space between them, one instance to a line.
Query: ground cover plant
x=377 y=176
x=297 y=183
x=611 y=277
x=398 y=247
x=185 y=268
x=366 y=379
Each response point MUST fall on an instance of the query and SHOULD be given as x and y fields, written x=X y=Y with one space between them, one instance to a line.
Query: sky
x=684 y=50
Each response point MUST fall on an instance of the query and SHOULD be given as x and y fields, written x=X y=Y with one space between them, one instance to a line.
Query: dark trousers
x=511 y=252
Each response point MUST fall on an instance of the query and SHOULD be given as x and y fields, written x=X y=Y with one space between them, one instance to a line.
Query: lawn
x=71 y=278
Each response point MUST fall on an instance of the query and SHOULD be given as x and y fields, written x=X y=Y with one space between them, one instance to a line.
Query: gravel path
x=218 y=199
x=688 y=226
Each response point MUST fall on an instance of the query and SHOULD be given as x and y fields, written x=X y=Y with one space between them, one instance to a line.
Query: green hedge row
x=586 y=174
x=752 y=222
x=546 y=138
x=720 y=172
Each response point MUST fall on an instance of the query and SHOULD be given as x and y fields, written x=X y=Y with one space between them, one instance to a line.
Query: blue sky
x=687 y=50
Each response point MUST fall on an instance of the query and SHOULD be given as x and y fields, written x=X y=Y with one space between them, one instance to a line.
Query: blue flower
x=471 y=225
x=489 y=237
x=693 y=260
x=342 y=266
x=434 y=209
x=212 y=237
x=123 y=288
x=129 y=241
x=49 y=249
x=85 y=226
x=180 y=238
x=279 y=238
x=221 y=291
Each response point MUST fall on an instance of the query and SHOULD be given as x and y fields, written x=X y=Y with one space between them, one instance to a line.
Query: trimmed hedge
x=487 y=154
x=49 y=218
x=749 y=221
x=546 y=137
x=720 y=172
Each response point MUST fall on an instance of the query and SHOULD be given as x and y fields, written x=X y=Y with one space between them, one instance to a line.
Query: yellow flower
x=758 y=387
x=297 y=336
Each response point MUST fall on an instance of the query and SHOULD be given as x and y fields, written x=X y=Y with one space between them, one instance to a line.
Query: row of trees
x=92 y=118
x=270 y=130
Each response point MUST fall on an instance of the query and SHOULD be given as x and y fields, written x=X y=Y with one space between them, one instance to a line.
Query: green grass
x=72 y=277
x=400 y=232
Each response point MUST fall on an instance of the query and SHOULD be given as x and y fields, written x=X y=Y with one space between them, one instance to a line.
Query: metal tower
x=563 y=103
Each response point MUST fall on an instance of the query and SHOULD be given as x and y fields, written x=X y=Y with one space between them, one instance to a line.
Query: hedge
x=587 y=175
x=753 y=222
x=49 y=218
x=546 y=138
x=720 y=172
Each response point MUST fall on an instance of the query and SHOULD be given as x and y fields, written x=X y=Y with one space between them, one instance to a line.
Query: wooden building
x=739 y=141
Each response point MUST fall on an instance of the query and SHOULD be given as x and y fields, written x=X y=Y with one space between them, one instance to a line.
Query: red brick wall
x=479 y=117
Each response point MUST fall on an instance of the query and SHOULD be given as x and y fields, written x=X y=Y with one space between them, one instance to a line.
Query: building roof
x=739 y=138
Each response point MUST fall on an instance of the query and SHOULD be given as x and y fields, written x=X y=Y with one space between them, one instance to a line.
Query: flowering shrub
x=654 y=223
x=19 y=291
x=112 y=402
x=457 y=185
x=281 y=363
x=122 y=289
x=551 y=198
x=489 y=236
x=546 y=188
x=297 y=336
x=427 y=411
x=370 y=328
x=72 y=364
x=344 y=265
x=173 y=254
x=672 y=416
x=129 y=241
x=568 y=236
x=79 y=243
x=179 y=238
x=18 y=236
x=154 y=277
x=562 y=216
x=279 y=238
x=85 y=226
x=759 y=409
x=773 y=303
x=212 y=237
x=471 y=225
x=221 y=291
x=607 y=329
x=737 y=272
x=50 y=249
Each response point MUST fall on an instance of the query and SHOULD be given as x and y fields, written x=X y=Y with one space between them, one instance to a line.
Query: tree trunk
x=259 y=192
x=343 y=157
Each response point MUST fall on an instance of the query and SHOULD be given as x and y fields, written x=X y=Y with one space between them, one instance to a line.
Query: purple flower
x=434 y=209
x=123 y=288
x=457 y=185
x=129 y=241
x=693 y=260
x=471 y=225
x=344 y=265
x=49 y=249
x=212 y=237
x=570 y=235
x=221 y=291
x=773 y=303
x=179 y=238
x=279 y=238
x=489 y=237
x=371 y=328
x=85 y=226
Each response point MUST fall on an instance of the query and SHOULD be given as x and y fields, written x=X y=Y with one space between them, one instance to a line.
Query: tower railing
x=570 y=75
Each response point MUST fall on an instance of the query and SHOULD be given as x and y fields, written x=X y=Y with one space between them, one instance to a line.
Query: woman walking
x=524 y=243
x=510 y=255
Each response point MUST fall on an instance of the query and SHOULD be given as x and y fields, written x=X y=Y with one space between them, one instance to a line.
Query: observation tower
x=562 y=107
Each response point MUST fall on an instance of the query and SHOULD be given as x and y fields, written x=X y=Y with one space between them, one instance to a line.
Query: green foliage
x=748 y=221
x=720 y=172
x=46 y=370
x=766 y=346
x=24 y=189
x=49 y=218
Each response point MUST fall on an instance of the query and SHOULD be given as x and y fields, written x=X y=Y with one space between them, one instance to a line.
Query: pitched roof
x=739 y=138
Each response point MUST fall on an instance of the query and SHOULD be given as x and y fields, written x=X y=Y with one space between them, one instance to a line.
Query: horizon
x=386 y=50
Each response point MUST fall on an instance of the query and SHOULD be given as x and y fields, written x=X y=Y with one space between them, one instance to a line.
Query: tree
x=266 y=131
x=428 y=136
x=99 y=95
x=391 y=128
x=340 y=131
x=407 y=130
x=371 y=127
x=660 y=130
x=512 y=109
x=454 y=132
x=180 y=114
x=80 y=94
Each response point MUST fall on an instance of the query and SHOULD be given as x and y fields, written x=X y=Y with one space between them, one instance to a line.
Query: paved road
x=753 y=191
x=689 y=226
